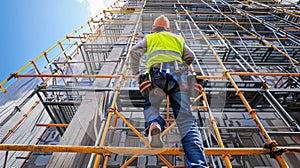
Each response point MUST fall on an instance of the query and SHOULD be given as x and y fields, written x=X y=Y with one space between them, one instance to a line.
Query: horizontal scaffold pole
x=263 y=74
x=132 y=76
x=71 y=76
x=148 y=151
x=52 y=125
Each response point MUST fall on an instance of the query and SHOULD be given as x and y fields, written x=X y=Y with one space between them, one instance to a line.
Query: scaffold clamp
x=111 y=110
x=276 y=151
x=273 y=149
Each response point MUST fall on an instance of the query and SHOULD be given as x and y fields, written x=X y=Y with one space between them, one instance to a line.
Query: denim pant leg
x=151 y=111
x=189 y=130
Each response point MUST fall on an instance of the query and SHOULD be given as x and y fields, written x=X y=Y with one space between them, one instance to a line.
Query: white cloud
x=96 y=6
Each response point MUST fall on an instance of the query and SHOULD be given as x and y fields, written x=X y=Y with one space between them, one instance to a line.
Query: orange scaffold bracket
x=274 y=151
x=2 y=88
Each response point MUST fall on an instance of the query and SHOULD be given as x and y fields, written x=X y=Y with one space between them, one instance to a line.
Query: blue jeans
x=186 y=122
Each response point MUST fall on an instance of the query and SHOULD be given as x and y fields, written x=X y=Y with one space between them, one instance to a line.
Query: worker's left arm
x=188 y=55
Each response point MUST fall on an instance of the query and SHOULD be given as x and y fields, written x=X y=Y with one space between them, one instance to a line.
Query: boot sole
x=156 y=141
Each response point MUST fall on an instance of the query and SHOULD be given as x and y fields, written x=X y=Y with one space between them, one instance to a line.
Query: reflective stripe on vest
x=165 y=52
x=163 y=47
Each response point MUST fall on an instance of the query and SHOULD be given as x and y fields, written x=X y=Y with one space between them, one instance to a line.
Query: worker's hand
x=185 y=66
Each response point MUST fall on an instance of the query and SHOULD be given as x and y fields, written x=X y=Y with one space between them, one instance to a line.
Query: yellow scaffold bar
x=146 y=151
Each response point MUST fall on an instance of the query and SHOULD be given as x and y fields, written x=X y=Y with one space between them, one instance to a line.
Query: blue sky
x=29 y=27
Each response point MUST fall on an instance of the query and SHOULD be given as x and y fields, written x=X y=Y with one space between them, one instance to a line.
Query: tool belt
x=168 y=78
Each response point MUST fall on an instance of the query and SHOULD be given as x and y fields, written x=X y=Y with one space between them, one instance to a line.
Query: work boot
x=154 y=135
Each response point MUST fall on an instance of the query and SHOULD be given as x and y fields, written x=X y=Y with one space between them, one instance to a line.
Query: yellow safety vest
x=163 y=47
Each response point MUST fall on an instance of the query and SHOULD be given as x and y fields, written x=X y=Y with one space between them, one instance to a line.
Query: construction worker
x=166 y=54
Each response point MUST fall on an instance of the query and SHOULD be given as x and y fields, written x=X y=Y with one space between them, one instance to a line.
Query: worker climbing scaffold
x=168 y=58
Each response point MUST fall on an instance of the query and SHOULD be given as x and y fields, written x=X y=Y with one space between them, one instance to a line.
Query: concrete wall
x=84 y=126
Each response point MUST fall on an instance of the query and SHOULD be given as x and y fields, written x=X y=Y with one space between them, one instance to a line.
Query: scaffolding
x=86 y=110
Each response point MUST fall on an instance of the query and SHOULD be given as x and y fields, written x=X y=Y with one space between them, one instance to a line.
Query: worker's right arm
x=137 y=51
